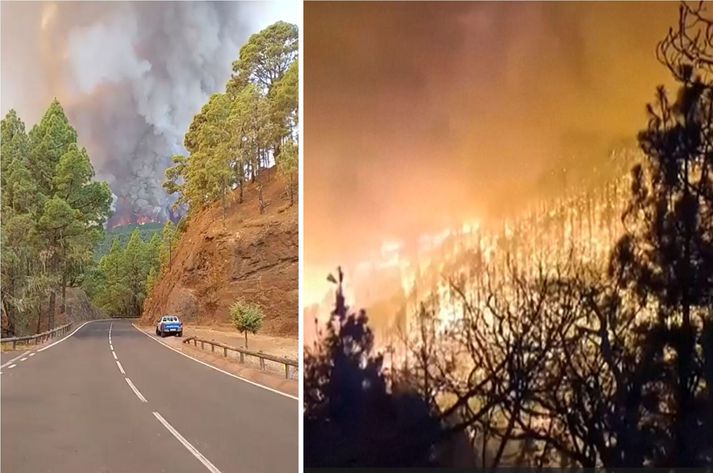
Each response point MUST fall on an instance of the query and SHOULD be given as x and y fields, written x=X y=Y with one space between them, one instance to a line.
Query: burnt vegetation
x=574 y=363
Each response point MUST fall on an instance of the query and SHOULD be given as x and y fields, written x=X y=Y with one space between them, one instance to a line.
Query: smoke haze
x=420 y=115
x=130 y=76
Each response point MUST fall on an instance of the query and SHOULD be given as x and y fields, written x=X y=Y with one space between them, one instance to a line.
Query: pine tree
x=135 y=271
x=50 y=139
x=666 y=256
x=48 y=194
x=266 y=56
x=240 y=132
x=169 y=237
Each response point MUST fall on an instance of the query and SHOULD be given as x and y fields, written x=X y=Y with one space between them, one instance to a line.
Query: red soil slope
x=247 y=255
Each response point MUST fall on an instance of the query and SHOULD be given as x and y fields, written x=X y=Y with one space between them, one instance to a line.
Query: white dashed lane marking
x=14 y=359
x=136 y=391
x=212 y=468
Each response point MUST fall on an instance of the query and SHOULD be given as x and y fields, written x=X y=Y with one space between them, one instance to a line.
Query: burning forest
x=565 y=318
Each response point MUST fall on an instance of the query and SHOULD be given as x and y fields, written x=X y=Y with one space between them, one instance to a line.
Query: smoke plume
x=130 y=76
x=423 y=115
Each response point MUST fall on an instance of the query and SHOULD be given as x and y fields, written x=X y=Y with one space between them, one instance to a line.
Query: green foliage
x=53 y=216
x=246 y=317
x=50 y=139
x=169 y=239
x=129 y=271
x=123 y=233
x=245 y=129
x=284 y=97
x=288 y=167
x=266 y=56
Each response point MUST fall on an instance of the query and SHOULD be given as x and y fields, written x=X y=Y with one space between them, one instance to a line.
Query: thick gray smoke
x=131 y=76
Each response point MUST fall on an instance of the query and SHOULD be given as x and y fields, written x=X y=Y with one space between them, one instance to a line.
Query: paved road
x=7 y=356
x=69 y=408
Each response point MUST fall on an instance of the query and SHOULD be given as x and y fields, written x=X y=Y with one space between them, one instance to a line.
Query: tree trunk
x=39 y=320
x=260 y=200
x=246 y=339
x=50 y=318
x=62 y=306
x=10 y=321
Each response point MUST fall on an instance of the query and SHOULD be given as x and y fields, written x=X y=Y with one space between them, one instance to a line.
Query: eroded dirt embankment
x=232 y=254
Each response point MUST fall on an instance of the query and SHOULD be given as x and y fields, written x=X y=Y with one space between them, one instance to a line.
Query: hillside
x=247 y=255
x=123 y=233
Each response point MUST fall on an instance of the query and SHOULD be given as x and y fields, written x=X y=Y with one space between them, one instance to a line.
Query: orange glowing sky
x=420 y=115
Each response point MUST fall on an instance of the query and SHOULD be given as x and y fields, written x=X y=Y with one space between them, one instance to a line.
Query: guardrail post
x=225 y=352
x=262 y=364
x=242 y=357
x=287 y=371
x=14 y=344
x=202 y=345
x=212 y=348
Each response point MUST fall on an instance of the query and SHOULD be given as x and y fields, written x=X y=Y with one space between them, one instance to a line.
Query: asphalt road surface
x=109 y=398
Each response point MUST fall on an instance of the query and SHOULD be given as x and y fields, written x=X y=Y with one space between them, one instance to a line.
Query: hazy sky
x=418 y=115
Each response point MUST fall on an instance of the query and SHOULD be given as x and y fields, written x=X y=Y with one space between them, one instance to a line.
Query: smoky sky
x=419 y=115
x=130 y=76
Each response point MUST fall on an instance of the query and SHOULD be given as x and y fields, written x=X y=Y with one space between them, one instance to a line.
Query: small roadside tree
x=246 y=317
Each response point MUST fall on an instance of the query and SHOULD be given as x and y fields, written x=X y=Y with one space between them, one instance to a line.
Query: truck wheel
x=180 y=334
x=157 y=332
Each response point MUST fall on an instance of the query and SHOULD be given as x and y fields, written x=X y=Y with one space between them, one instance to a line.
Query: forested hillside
x=250 y=127
x=53 y=215
x=128 y=271
x=243 y=253
x=123 y=233
x=240 y=240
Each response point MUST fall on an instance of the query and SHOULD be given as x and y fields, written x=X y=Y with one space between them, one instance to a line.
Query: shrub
x=246 y=317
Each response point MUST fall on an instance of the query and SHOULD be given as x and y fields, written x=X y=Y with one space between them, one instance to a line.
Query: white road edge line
x=65 y=338
x=114 y=356
x=11 y=366
x=212 y=468
x=14 y=359
x=32 y=354
x=23 y=359
x=121 y=368
x=136 y=391
x=216 y=368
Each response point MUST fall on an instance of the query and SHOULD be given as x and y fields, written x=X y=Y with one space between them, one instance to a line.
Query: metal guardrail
x=243 y=352
x=38 y=338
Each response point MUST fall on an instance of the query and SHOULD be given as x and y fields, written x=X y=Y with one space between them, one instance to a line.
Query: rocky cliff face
x=239 y=253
